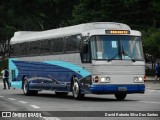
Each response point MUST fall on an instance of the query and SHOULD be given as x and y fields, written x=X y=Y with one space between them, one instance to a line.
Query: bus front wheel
x=120 y=96
x=76 y=90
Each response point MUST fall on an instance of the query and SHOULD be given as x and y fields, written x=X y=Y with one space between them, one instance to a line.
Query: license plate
x=122 y=89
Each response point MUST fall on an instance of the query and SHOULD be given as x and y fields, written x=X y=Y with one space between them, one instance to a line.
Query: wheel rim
x=25 y=87
x=75 y=89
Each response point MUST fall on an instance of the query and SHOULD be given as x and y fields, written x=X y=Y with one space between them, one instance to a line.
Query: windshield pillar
x=85 y=51
x=119 y=48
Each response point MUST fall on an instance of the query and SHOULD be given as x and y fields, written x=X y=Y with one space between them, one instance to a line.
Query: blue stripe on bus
x=61 y=71
x=100 y=89
x=70 y=66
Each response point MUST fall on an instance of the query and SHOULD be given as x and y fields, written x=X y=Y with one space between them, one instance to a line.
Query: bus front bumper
x=112 y=89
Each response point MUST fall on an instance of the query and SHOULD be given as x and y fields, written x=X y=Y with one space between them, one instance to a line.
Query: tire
x=61 y=93
x=76 y=90
x=120 y=96
x=26 y=87
x=26 y=90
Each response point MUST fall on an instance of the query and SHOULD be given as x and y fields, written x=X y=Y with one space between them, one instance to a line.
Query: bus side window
x=58 y=45
x=73 y=43
x=35 y=47
x=15 y=50
x=24 y=49
x=46 y=46
x=85 y=52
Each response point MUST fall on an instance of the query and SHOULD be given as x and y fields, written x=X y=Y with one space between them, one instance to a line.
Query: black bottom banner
x=79 y=114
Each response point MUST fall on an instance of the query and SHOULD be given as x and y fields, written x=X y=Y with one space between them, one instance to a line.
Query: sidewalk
x=150 y=83
x=152 y=86
x=150 y=78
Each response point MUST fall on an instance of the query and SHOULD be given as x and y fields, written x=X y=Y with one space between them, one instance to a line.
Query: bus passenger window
x=73 y=43
x=46 y=46
x=58 y=45
x=35 y=47
x=15 y=50
x=24 y=49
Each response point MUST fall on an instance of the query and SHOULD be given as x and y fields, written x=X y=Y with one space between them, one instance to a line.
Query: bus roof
x=25 y=36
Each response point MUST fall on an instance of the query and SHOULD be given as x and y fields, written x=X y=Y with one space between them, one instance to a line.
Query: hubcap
x=25 y=88
x=75 y=89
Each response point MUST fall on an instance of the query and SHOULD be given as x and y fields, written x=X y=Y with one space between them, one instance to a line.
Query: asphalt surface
x=47 y=102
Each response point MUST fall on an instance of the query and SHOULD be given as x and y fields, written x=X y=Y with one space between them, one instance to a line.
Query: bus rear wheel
x=26 y=90
x=120 y=96
x=76 y=90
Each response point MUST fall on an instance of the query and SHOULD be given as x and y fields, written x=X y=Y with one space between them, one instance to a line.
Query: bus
x=89 y=58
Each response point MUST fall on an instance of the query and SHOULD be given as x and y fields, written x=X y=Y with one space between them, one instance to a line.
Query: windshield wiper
x=124 y=53
x=113 y=57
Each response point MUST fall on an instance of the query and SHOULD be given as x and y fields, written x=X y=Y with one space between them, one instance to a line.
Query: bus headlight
x=138 y=79
x=100 y=79
x=105 y=80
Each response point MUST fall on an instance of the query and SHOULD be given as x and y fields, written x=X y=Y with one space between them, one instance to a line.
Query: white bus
x=97 y=58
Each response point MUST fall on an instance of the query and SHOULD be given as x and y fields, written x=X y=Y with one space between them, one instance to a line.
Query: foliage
x=152 y=43
x=136 y=13
x=33 y=15
x=36 y=15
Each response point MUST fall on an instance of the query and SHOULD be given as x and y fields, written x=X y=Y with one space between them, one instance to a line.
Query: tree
x=32 y=15
x=139 y=14
x=37 y=15
x=156 y=11
x=152 y=45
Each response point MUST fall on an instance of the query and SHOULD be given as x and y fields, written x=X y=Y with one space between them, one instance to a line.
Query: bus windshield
x=116 y=48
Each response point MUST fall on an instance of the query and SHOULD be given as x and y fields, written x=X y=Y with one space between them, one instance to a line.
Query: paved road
x=14 y=100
